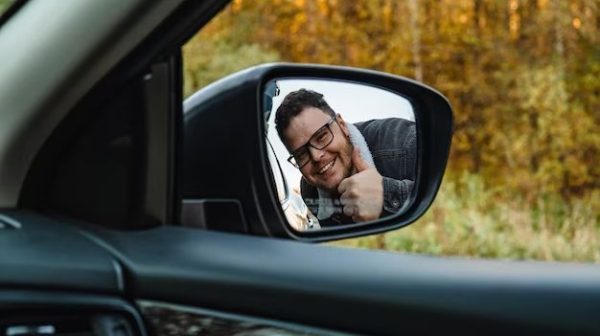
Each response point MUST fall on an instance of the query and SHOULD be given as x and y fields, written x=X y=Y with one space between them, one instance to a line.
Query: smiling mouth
x=326 y=167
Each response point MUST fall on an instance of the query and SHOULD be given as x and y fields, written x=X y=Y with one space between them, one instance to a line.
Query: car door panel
x=275 y=281
x=161 y=274
x=353 y=290
x=41 y=253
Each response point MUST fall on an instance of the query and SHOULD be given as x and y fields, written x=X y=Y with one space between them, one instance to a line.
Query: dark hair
x=294 y=103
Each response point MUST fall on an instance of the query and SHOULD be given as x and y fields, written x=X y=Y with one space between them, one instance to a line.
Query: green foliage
x=4 y=4
x=467 y=220
x=211 y=60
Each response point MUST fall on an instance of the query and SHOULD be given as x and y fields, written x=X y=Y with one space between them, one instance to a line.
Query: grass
x=471 y=220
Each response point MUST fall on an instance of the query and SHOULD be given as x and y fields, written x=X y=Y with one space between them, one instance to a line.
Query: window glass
x=523 y=79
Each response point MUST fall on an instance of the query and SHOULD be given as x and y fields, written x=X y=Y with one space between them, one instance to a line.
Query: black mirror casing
x=225 y=163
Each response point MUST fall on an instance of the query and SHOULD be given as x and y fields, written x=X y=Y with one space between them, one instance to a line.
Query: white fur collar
x=326 y=206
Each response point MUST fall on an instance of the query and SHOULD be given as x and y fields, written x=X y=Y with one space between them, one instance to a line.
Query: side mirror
x=312 y=152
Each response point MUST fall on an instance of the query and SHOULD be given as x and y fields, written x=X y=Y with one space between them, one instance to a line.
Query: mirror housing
x=225 y=161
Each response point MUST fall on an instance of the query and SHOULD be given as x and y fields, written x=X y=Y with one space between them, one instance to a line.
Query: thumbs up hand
x=362 y=193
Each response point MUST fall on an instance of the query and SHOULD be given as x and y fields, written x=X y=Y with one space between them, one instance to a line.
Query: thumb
x=358 y=162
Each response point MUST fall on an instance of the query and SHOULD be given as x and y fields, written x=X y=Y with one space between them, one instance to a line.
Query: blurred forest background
x=523 y=77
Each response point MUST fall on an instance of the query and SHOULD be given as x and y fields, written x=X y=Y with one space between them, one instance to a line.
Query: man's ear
x=342 y=124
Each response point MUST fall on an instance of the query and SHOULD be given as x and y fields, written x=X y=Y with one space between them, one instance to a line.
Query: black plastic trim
x=163 y=44
x=25 y=304
x=358 y=291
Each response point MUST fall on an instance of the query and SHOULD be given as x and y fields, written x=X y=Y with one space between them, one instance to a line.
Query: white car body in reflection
x=297 y=213
x=292 y=204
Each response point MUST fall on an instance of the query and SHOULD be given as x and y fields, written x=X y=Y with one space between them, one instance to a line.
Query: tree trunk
x=559 y=35
x=413 y=6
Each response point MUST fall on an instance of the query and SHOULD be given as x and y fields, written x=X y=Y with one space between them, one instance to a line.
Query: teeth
x=326 y=167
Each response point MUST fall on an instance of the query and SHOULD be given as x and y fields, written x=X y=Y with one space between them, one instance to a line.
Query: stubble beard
x=347 y=170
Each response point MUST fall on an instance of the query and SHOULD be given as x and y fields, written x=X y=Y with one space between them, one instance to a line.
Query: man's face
x=326 y=167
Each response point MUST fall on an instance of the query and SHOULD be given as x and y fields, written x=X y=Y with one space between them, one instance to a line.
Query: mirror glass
x=341 y=152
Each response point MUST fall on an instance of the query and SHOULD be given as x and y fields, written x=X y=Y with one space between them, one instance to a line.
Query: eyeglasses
x=319 y=140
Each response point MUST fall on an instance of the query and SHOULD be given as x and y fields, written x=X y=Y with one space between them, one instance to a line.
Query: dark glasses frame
x=291 y=159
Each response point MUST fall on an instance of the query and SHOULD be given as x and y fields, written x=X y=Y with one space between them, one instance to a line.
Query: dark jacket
x=392 y=143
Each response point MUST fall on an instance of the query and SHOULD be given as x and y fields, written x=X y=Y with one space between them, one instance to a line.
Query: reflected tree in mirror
x=341 y=153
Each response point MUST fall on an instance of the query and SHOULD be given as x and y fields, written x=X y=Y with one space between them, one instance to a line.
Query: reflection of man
x=351 y=172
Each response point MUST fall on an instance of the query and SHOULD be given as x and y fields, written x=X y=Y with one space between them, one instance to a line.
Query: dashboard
x=55 y=281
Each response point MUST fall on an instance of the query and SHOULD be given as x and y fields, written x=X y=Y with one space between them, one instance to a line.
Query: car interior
x=115 y=218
